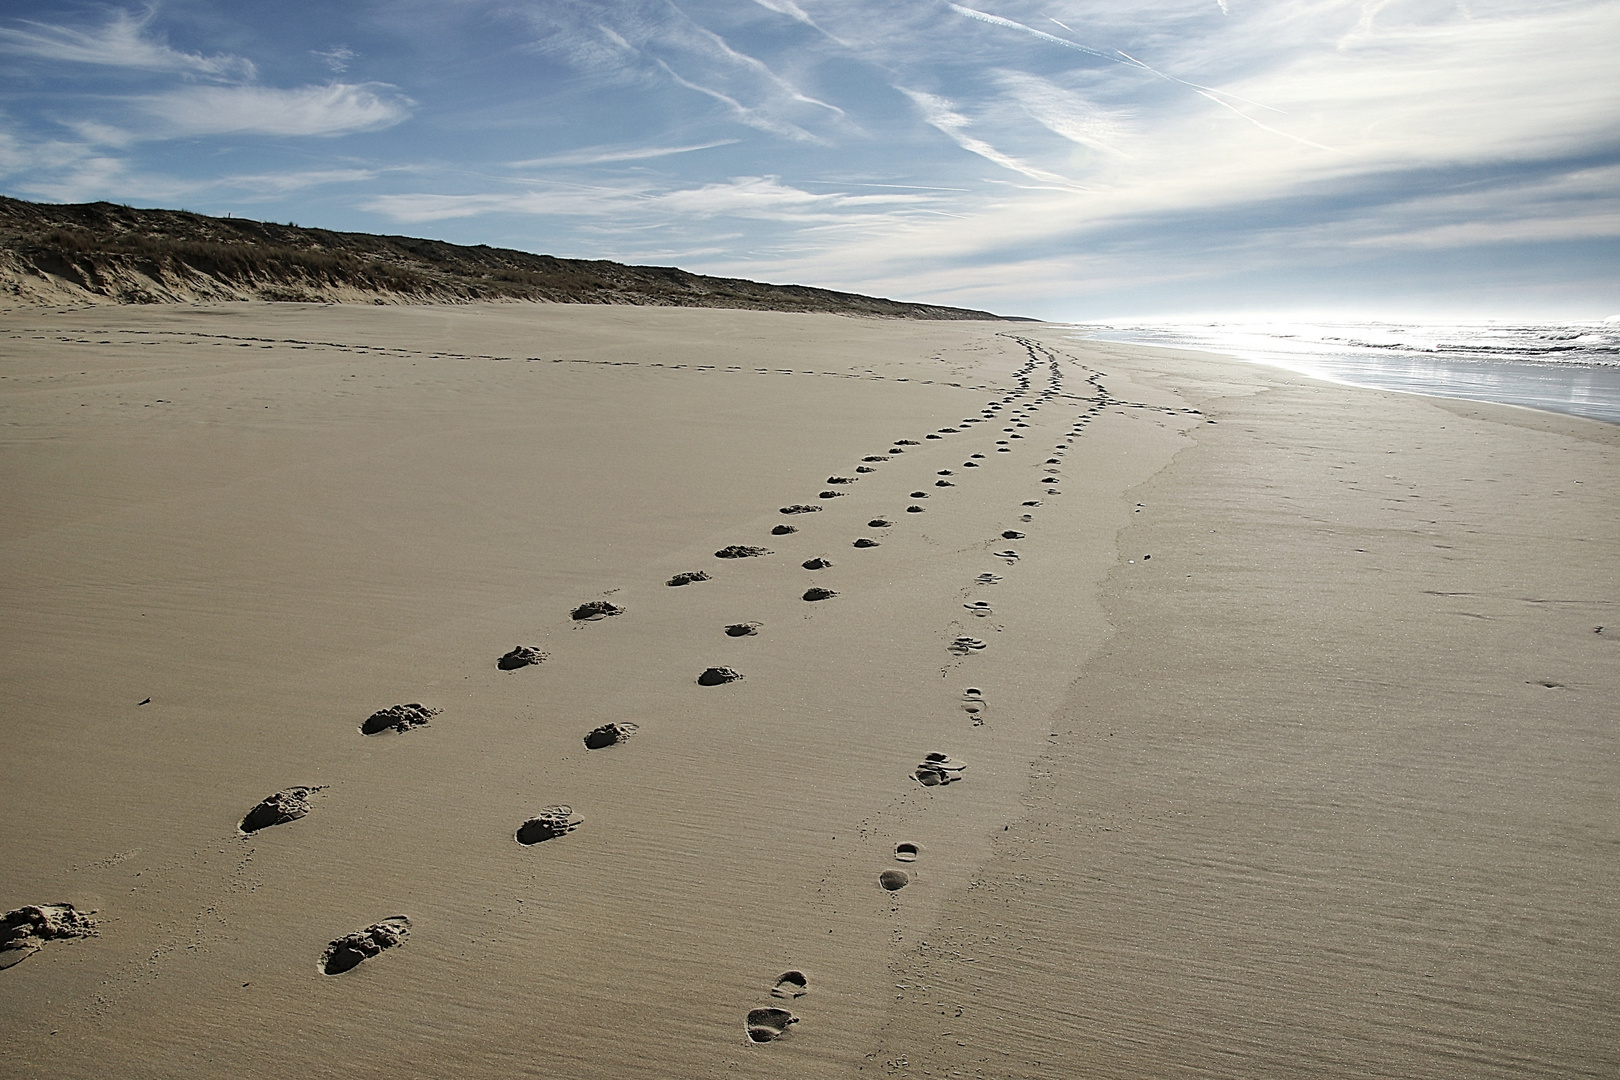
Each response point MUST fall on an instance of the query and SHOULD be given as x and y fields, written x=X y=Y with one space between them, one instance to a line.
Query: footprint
x=791 y=984
x=687 y=579
x=864 y=469
x=1032 y=502
x=348 y=951
x=980 y=608
x=907 y=442
x=400 y=718
x=943 y=762
x=964 y=645
x=919 y=494
x=286 y=805
x=1012 y=534
x=894 y=880
x=977 y=456
x=874 y=457
x=1026 y=518
x=741 y=551
x=521 y=656
x=783 y=530
x=742 y=629
x=906 y=852
x=863 y=542
x=22 y=931
x=768 y=1025
x=879 y=523
x=914 y=509
x=943 y=472
x=830 y=495
x=801 y=508
x=548 y=824
x=970 y=464
x=974 y=704
x=718 y=676
x=1010 y=555
x=596 y=609
x=840 y=479
x=816 y=592
x=609 y=735
x=987 y=579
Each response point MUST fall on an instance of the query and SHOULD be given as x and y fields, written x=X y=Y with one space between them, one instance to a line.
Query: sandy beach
x=1275 y=719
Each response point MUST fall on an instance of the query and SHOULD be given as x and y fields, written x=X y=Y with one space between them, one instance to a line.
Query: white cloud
x=336 y=58
x=333 y=109
x=120 y=43
x=606 y=155
x=942 y=115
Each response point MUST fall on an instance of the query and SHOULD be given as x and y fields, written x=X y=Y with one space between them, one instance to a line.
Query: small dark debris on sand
x=768 y=1025
x=800 y=508
x=718 y=676
x=286 y=805
x=596 y=609
x=521 y=656
x=783 y=530
x=609 y=735
x=22 y=930
x=741 y=551
x=399 y=718
x=816 y=592
x=548 y=824
x=686 y=579
x=348 y=951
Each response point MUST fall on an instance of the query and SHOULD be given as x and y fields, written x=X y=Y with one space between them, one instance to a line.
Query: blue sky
x=1062 y=159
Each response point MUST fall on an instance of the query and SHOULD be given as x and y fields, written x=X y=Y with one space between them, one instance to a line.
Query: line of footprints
x=23 y=931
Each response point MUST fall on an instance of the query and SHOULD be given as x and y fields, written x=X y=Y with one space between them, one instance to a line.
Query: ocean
x=1562 y=367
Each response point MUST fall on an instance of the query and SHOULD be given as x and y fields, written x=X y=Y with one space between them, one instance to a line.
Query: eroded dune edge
x=511 y=690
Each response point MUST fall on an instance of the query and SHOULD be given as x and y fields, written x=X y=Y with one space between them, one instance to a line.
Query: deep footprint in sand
x=1012 y=534
x=288 y=804
x=816 y=592
x=863 y=542
x=791 y=984
x=906 y=851
x=350 y=950
x=987 y=579
x=594 y=610
x=879 y=523
x=742 y=629
x=894 y=880
x=840 y=479
x=718 y=676
x=768 y=1025
x=610 y=735
x=817 y=563
x=1009 y=554
x=399 y=718
x=686 y=579
x=975 y=705
x=800 y=508
x=521 y=656
x=830 y=494
x=741 y=551
x=964 y=645
x=24 y=930
x=548 y=824
x=980 y=608
x=783 y=530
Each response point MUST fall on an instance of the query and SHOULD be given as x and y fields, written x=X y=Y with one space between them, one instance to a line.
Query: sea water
x=1565 y=367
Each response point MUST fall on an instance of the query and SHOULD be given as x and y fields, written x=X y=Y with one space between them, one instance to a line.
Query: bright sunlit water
x=1567 y=367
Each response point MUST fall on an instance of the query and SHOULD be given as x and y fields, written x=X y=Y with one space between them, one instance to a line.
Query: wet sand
x=1290 y=796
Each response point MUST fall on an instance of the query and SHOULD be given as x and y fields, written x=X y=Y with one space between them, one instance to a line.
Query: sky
x=1061 y=159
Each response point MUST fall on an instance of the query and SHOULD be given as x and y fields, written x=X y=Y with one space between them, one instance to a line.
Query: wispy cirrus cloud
x=609 y=155
x=332 y=109
x=121 y=42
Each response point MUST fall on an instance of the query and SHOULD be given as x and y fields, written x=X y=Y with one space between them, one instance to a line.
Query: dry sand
x=1293 y=796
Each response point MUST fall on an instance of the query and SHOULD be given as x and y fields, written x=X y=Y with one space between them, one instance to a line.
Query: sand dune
x=767 y=694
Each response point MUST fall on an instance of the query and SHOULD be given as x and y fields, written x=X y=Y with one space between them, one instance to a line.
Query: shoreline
x=272 y=521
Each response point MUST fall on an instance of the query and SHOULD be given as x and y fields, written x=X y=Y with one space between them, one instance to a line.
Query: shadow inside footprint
x=348 y=951
x=742 y=629
x=596 y=609
x=548 y=824
x=686 y=579
x=609 y=735
x=718 y=676
x=1012 y=534
x=894 y=880
x=791 y=984
x=816 y=592
x=964 y=645
x=980 y=608
x=741 y=551
x=987 y=579
x=863 y=542
x=974 y=704
x=906 y=852
x=879 y=523
x=818 y=563
x=768 y=1025
x=800 y=508
x=286 y=805
x=398 y=718
x=783 y=530
x=521 y=656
